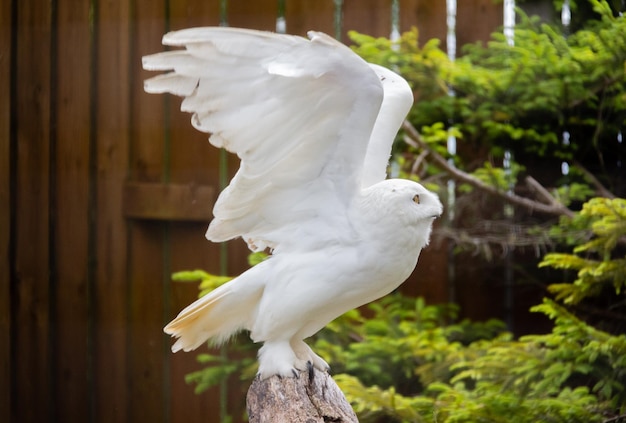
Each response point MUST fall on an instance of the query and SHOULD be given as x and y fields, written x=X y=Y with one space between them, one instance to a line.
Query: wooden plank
x=193 y=163
x=260 y=14
x=148 y=373
x=72 y=340
x=190 y=250
x=372 y=17
x=111 y=278
x=193 y=13
x=428 y=278
x=156 y=201
x=476 y=20
x=148 y=123
x=31 y=286
x=306 y=15
x=148 y=382
x=6 y=208
x=478 y=288
x=428 y=16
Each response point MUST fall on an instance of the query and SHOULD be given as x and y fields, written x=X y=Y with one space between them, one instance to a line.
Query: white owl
x=313 y=125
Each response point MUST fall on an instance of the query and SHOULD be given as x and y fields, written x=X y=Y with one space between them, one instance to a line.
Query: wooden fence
x=105 y=191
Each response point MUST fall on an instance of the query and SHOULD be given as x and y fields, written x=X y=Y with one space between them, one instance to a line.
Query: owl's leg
x=305 y=353
x=277 y=358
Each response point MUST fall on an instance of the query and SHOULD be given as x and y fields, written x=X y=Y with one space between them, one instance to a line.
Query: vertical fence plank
x=372 y=17
x=306 y=15
x=5 y=210
x=476 y=20
x=426 y=279
x=147 y=240
x=30 y=301
x=190 y=251
x=428 y=16
x=192 y=13
x=260 y=14
x=72 y=340
x=148 y=384
x=111 y=279
x=193 y=161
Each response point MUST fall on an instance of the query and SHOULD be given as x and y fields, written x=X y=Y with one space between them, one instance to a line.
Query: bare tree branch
x=614 y=419
x=541 y=191
x=554 y=208
x=602 y=190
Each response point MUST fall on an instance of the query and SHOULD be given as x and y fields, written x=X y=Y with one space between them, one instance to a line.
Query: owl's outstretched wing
x=299 y=114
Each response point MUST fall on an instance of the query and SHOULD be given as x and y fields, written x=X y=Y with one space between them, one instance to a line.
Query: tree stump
x=310 y=398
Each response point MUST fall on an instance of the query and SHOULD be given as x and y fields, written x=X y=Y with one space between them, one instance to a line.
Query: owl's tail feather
x=218 y=315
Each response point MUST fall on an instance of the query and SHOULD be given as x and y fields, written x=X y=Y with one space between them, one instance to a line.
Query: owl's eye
x=416 y=199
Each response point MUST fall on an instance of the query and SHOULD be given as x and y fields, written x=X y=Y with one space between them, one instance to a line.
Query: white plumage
x=313 y=125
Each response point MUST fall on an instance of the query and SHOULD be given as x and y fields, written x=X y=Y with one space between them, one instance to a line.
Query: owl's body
x=310 y=187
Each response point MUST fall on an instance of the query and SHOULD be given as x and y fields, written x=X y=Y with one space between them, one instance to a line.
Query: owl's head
x=408 y=199
x=402 y=207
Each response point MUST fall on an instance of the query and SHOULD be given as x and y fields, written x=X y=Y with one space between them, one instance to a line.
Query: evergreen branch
x=555 y=208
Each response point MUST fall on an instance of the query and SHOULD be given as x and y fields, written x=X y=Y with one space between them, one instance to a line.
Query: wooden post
x=310 y=398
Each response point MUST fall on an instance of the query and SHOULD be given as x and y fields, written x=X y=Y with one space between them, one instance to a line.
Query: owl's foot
x=305 y=354
x=288 y=359
x=277 y=358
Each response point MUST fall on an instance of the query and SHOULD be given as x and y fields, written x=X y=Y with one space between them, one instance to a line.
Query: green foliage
x=208 y=281
x=596 y=260
x=569 y=375
x=415 y=332
x=521 y=97
x=574 y=192
x=502 y=179
x=576 y=348
x=218 y=368
x=575 y=373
